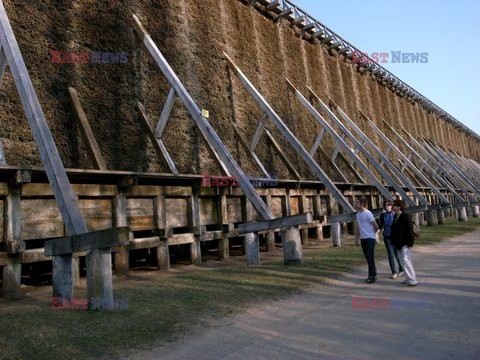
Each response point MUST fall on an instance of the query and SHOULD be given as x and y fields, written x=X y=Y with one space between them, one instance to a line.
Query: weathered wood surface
x=87 y=241
x=274 y=224
x=86 y=131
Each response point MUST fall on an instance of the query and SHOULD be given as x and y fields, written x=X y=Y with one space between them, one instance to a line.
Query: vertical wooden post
x=292 y=245
x=223 y=243
x=251 y=244
x=421 y=219
x=163 y=254
x=469 y=210
x=99 y=273
x=194 y=218
x=121 y=257
x=317 y=208
x=271 y=234
x=252 y=249
x=303 y=205
x=12 y=272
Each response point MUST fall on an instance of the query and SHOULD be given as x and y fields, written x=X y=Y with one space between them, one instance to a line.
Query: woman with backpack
x=403 y=237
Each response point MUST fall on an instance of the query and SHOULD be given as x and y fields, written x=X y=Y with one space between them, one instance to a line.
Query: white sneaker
x=394 y=276
x=400 y=273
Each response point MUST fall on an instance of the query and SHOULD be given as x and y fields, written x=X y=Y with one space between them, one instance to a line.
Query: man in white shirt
x=366 y=230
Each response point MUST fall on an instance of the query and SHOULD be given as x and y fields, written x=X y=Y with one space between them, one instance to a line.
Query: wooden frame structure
x=99 y=275
x=291 y=236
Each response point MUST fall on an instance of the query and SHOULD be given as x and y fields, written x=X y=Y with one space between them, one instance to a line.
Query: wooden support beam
x=64 y=195
x=157 y=143
x=280 y=223
x=283 y=156
x=167 y=109
x=243 y=141
x=298 y=20
x=93 y=240
x=204 y=126
x=363 y=150
x=273 y=4
x=366 y=140
x=316 y=115
x=258 y=132
x=406 y=160
x=283 y=14
x=3 y=64
x=424 y=164
x=86 y=131
x=299 y=148
x=12 y=271
x=318 y=141
x=121 y=264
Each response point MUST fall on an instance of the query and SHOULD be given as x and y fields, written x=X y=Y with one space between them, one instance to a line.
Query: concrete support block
x=319 y=232
x=476 y=211
x=430 y=218
x=462 y=214
x=252 y=249
x=11 y=277
x=336 y=234
x=223 y=248
x=441 y=216
x=292 y=246
x=62 y=278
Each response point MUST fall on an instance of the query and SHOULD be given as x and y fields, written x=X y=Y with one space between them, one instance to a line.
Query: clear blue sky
x=448 y=30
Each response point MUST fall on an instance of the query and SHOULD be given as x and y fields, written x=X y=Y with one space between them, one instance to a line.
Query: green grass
x=165 y=306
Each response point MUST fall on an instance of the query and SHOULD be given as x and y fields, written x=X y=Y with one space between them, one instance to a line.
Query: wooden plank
x=309 y=107
x=86 y=131
x=3 y=66
x=45 y=190
x=234 y=210
x=177 y=214
x=40 y=218
x=167 y=109
x=157 y=142
x=179 y=239
x=208 y=211
x=299 y=148
x=283 y=156
x=88 y=241
x=253 y=156
x=366 y=140
x=98 y=213
x=203 y=125
x=281 y=223
x=140 y=214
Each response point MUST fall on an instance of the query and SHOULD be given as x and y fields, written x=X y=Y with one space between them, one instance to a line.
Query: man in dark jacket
x=403 y=238
x=386 y=222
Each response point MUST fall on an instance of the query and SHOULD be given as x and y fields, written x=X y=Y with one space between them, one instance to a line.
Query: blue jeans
x=392 y=255
x=368 y=247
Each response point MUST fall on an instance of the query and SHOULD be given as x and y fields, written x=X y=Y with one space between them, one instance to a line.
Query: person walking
x=403 y=238
x=366 y=230
x=386 y=221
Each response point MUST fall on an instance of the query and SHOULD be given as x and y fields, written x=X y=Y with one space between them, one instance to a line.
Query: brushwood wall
x=192 y=36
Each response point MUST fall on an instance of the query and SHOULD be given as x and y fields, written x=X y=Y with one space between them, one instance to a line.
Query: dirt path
x=321 y=324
